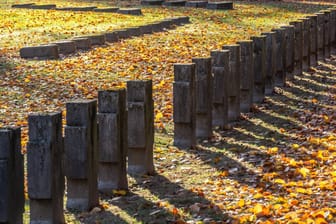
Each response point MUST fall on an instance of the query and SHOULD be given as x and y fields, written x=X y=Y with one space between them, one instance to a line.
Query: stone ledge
x=49 y=6
x=82 y=43
x=130 y=11
x=112 y=9
x=66 y=46
x=176 y=3
x=96 y=39
x=20 y=6
x=197 y=4
x=49 y=51
x=152 y=2
x=220 y=5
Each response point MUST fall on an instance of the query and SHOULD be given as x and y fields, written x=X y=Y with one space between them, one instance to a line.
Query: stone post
x=112 y=140
x=184 y=105
x=140 y=107
x=298 y=42
x=220 y=70
x=246 y=75
x=11 y=176
x=306 y=44
x=327 y=31
x=45 y=171
x=320 y=36
x=259 y=54
x=280 y=74
x=81 y=155
x=203 y=93
x=270 y=61
x=313 y=40
x=289 y=44
x=234 y=80
x=333 y=30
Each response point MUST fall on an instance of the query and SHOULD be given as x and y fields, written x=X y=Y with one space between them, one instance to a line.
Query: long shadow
x=94 y=217
x=173 y=195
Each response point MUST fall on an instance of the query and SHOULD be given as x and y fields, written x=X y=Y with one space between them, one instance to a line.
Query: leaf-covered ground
x=277 y=164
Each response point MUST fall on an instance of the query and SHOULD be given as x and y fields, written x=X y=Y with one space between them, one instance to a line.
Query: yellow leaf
x=292 y=162
x=326 y=118
x=257 y=196
x=279 y=181
x=320 y=220
x=273 y=150
x=304 y=171
x=314 y=100
x=295 y=146
x=241 y=203
x=119 y=192
x=257 y=209
x=158 y=116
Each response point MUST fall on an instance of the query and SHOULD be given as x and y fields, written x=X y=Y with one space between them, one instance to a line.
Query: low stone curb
x=224 y=5
x=49 y=51
x=65 y=47
x=126 y=11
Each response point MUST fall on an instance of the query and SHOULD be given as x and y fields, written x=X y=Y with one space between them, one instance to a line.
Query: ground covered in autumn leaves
x=276 y=164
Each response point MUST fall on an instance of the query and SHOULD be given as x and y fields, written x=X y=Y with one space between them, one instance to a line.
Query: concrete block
x=49 y=51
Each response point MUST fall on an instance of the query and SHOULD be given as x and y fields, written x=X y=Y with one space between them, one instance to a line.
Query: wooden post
x=306 y=44
x=234 y=79
x=140 y=107
x=220 y=70
x=320 y=36
x=112 y=140
x=270 y=61
x=298 y=42
x=184 y=105
x=246 y=75
x=11 y=176
x=289 y=44
x=45 y=171
x=259 y=53
x=280 y=74
x=313 y=40
x=81 y=155
x=203 y=95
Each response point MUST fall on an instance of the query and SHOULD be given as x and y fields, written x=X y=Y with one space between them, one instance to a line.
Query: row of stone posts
x=91 y=154
x=213 y=91
x=208 y=92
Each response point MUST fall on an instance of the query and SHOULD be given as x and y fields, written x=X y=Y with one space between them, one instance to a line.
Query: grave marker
x=289 y=44
x=234 y=80
x=45 y=171
x=11 y=176
x=306 y=44
x=270 y=61
x=327 y=30
x=246 y=75
x=203 y=93
x=320 y=36
x=81 y=157
x=184 y=105
x=313 y=40
x=259 y=54
x=112 y=140
x=140 y=127
x=220 y=70
x=280 y=73
x=298 y=42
